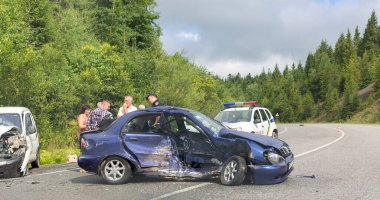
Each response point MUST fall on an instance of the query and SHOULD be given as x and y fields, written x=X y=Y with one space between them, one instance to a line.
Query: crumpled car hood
x=261 y=139
x=4 y=129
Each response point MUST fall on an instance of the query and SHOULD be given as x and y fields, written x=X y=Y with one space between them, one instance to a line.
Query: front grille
x=285 y=150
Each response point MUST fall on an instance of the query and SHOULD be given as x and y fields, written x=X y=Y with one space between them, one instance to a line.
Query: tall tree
x=370 y=37
x=127 y=23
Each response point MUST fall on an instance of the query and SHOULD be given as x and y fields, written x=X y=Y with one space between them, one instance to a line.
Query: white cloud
x=188 y=36
x=245 y=35
x=234 y=66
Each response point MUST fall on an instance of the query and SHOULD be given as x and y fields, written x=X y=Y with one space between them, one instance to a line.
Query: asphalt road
x=329 y=164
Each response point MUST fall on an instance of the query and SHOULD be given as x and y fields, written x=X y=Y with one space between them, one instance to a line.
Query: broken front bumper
x=270 y=174
x=10 y=168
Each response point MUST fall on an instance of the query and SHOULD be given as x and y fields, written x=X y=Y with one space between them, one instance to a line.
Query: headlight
x=275 y=159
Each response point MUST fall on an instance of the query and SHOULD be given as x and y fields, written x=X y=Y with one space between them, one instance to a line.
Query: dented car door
x=148 y=142
x=193 y=145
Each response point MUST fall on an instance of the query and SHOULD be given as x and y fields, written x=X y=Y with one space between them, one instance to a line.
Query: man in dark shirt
x=153 y=100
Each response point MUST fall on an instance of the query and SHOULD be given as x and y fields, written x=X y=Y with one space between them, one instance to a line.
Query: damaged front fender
x=12 y=151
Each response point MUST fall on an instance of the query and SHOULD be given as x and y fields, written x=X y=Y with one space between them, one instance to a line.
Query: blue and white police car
x=248 y=117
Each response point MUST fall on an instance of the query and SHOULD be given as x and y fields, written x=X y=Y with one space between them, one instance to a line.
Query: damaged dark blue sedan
x=177 y=142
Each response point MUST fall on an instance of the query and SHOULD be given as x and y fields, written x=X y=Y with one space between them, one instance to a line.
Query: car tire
x=115 y=170
x=275 y=135
x=36 y=163
x=233 y=171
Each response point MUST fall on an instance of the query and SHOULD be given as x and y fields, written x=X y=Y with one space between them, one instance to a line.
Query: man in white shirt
x=127 y=106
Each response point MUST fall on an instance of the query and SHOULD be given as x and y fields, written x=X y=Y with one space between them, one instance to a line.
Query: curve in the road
x=323 y=146
x=296 y=156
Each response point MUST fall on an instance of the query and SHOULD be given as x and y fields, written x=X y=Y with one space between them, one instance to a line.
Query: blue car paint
x=160 y=152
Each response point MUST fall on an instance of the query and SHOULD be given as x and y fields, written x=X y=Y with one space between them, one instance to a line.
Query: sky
x=247 y=36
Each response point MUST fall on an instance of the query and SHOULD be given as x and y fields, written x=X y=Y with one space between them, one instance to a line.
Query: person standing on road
x=98 y=115
x=153 y=99
x=82 y=119
x=127 y=107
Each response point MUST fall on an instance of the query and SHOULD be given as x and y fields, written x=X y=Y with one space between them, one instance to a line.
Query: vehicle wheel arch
x=237 y=175
x=240 y=148
x=275 y=133
x=133 y=166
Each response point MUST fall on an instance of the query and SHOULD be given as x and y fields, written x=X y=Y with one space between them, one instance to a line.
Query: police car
x=248 y=117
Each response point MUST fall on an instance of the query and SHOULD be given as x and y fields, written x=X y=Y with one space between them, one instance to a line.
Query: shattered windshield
x=212 y=125
x=10 y=119
x=234 y=116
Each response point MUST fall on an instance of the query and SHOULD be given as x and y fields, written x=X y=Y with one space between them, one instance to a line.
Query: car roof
x=18 y=110
x=166 y=109
x=242 y=108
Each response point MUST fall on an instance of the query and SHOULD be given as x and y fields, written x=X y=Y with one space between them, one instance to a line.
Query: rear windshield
x=10 y=119
x=234 y=116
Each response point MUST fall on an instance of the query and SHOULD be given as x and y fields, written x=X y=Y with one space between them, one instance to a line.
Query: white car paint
x=251 y=119
x=29 y=130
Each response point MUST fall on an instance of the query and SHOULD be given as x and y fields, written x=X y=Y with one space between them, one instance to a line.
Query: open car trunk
x=12 y=151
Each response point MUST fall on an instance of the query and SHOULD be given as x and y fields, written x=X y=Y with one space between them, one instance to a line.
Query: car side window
x=142 y=124
x=173 y=124
x=256 y=117
x=30 y=129
x=182 y=124
x=269 y=114
x=263 y=115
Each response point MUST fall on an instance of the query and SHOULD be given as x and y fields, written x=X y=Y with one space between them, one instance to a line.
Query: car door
x=151 y=145
x=193 y=144
x=257 y=123
x=32 y=135
x=265 y=122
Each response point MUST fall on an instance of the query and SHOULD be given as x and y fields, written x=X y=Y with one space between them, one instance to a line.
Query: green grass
x=56 y=146
x=56 y=156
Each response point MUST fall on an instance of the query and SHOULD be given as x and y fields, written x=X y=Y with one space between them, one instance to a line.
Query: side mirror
x=30 y=130
x=226 y=135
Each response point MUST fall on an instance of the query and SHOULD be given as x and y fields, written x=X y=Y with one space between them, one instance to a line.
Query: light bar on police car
x=247 y=103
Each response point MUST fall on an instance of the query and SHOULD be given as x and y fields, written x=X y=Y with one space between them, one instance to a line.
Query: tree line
x=57 y=55
x=326 y=87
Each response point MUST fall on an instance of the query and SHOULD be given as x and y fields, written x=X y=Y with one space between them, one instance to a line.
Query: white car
x=22 y=119
x=247 y=117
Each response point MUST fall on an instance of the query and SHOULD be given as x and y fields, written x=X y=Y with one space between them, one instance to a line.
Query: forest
x=58 y=55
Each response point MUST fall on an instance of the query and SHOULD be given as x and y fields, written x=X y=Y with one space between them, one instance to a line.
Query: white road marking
x=323 y=146
x=47 y=173
x=180 y=191
x=285 y=129
x=204 y=184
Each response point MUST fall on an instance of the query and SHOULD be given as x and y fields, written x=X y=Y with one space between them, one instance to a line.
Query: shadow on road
x=95 y=179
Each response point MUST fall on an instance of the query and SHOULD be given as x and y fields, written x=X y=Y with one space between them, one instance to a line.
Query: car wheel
x=233 y=171
x=116 y=170
x=275 y=135
x=36 y=163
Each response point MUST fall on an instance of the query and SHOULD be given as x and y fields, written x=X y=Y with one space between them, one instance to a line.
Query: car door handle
x=133 y=139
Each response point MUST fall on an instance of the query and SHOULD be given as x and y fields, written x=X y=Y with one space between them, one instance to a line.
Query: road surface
x=333 y=161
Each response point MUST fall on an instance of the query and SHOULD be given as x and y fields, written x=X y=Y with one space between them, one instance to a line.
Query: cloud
x=249 y=34
x=188 y=36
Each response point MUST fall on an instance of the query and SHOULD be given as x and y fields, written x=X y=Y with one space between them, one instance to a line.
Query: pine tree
x=370 y=37
x=357 y=39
